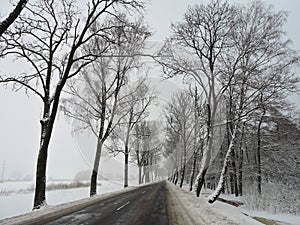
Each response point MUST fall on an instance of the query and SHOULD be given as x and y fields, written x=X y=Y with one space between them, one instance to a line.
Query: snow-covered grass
x=201 y=212
x=20 y=187
x=14 y=187
x=269 y=206
x=198 y=209
x=275 y=199
x=280 y=219
x=49 y=212
x=18 y=202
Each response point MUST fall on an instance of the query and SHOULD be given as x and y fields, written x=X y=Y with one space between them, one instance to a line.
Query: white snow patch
x=279 y=218
x=17 y=201
x=202 y=212
x=284 y=219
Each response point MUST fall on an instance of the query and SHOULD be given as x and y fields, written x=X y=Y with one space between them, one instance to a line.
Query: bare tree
x=50 y=38
x=195 y=50
x=198 y=134
x=138 y=101
x=104 y=104
x=140 y=136
x=179 y=115
x=262 y=73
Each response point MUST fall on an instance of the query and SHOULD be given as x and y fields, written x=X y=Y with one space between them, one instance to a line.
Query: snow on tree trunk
x=93 y=188
x=12 y=16
x=40 y=195
x=47 y=123
x=203 y=168
x=213 y=197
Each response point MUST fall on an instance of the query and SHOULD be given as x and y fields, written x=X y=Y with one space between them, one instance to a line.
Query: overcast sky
x=19 y=114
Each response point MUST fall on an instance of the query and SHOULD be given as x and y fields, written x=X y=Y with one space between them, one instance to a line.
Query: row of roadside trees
x=86 y=61
x=82 y=59
x=241 y=68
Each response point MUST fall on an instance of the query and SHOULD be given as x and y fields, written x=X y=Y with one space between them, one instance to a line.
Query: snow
x=239 y=215
x=195 y=210
x=201 y=212
x=279 y=218
x=15 y=199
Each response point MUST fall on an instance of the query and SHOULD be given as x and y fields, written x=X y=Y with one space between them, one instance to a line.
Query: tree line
x=241 y=68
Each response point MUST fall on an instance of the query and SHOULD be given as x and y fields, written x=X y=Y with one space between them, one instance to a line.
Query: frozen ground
x=199 y=211
x=237 y=213
x=14 y=200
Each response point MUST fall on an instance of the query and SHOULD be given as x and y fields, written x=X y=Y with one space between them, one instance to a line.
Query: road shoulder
x=185 y=208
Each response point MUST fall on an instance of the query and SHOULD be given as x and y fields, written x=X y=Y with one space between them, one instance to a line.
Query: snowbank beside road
x=187 y=209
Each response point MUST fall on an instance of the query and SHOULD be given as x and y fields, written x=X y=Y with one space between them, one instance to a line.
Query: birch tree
x=195 y=50
x=262 y=69
x=49 y=37
x=198 y=133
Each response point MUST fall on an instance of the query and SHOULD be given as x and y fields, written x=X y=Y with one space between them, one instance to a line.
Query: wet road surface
x=145 y=205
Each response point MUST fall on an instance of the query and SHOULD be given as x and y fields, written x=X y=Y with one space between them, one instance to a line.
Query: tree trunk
x=258 y=178
x=193 y=170
x=182 y=175
x=241 y=161
x=200 y=181
x=234 y=173
x=231 y=181
x=258 y=150
x=12 y=16
x=126 y=167
x=213 y=197
x=140 y=174
x=203 y=169
x=176 y=177
x=146 y=173
x=93 y=188
x=47 y=123
x=240 y=172
x=40 y=184
x=206 y=153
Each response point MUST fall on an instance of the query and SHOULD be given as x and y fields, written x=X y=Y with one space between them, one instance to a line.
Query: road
x=145 y=205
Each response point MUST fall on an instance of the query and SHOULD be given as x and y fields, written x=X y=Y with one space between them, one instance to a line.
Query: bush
x=275 y=198
x=61 y=186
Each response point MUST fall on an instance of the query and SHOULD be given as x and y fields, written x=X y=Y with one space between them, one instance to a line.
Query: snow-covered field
x=15 y=199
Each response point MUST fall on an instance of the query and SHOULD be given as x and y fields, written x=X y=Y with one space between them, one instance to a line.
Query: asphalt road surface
x=145 y=205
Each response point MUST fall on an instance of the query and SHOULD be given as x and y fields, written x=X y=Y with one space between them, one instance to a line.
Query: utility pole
x=2 y=173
